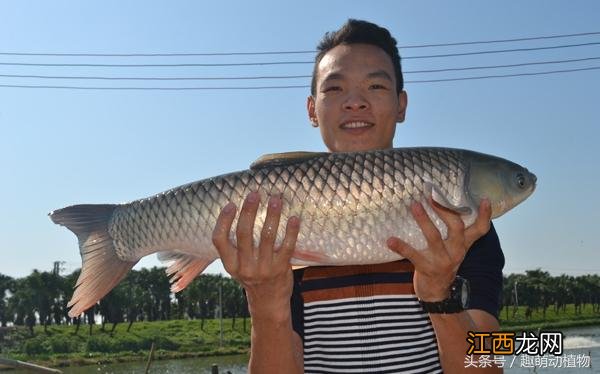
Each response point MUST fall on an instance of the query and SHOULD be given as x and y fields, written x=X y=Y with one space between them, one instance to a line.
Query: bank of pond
x=66 y=345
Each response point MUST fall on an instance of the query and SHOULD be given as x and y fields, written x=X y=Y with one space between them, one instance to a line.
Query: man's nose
x=355 y=101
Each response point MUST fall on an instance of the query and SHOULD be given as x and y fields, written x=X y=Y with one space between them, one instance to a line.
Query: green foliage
x=63 y=344
x=160 y=342
x=127 y=343
x=99 y=343
x=570 y=316
x=36 y=346
x=169 y=337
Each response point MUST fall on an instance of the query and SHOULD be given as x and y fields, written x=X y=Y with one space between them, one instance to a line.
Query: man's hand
x=264 y=271
x=436 y=266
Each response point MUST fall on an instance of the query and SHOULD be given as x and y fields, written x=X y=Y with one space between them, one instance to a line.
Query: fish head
x=504 y=183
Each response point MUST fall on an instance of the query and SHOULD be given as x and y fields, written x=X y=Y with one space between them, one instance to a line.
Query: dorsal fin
x=284 y=159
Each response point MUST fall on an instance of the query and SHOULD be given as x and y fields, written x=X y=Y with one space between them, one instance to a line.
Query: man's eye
x=332 y=88
x=378 y=87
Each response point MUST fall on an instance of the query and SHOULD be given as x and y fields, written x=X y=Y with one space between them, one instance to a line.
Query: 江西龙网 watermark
x=528 y=350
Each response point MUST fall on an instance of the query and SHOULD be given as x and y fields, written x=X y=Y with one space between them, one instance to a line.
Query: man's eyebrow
x=332 y=76
x=380 y=74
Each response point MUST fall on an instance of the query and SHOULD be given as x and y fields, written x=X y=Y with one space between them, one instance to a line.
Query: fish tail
x=101 y=268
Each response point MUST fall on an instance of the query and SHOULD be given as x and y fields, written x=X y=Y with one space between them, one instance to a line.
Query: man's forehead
x=347 y=58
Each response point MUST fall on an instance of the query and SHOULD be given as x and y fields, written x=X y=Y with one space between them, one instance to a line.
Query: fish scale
x=349 y=204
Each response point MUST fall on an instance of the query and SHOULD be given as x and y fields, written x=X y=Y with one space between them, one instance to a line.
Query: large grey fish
x=349 y=204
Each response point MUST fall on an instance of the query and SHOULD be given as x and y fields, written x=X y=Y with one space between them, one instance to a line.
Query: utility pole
x=221 y=311
x=516 y=294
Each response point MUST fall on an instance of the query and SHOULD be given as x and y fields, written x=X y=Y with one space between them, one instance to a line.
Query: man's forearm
x=451 y=331
x=275 y=348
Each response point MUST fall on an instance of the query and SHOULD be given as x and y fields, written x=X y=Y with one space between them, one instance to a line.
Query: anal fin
x=183 y=268
x=306 y=257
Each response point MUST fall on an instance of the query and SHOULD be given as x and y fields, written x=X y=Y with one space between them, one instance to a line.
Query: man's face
x=356 y=105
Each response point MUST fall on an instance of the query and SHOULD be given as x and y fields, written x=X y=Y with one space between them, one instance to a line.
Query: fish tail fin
x=183 y=268
x=101 y=268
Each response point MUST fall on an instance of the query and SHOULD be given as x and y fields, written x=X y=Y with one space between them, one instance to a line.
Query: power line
x=503 y=75
x=158 y=88
x=503 y=51
x=160 y=65
x=156 y=78
x=291 y=76
x=502 y=66
x=290 y=86
x=500 y=40
x=295 y=62
x=286 y=52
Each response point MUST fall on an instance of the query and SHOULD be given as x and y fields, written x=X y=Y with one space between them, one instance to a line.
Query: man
x=357 y=98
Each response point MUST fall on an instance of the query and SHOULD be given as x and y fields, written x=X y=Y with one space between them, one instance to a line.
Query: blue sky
x=60 y=147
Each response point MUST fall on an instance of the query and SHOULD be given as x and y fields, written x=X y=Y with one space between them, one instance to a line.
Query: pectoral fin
x=438 y=196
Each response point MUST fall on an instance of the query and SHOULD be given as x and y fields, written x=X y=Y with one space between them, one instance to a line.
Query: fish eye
x=520 y=180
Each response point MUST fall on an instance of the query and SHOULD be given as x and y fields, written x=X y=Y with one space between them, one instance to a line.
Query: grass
x=59 y=346
x=185 y=339
x=552 y=320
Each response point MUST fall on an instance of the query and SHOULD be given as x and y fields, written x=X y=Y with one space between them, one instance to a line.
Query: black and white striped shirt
x=365 y=319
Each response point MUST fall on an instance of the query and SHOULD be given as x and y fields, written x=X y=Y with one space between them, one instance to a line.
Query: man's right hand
x=264 y=270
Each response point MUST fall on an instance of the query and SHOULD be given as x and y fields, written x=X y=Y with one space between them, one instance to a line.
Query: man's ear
x=310 y=109
x=402 y=103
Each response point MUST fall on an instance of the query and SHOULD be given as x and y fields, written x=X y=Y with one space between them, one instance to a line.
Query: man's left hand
x=436 y=265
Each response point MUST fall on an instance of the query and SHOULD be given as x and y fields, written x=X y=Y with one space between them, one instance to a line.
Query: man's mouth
x=356 y=125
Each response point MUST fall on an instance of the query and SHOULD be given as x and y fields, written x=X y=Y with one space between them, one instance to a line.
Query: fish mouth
x=356 y=125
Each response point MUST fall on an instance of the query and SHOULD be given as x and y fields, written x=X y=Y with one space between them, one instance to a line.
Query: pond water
x=234 y=364
x=581 y=354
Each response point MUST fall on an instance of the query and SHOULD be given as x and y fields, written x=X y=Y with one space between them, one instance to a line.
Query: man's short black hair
x=354 y=32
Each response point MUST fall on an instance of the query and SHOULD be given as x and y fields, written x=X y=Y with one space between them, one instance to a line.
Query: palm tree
x=6 y=286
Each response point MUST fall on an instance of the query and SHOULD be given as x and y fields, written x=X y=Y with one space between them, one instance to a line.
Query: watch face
x=464 y=293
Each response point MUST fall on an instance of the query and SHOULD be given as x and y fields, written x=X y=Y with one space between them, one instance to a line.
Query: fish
x=348 y=203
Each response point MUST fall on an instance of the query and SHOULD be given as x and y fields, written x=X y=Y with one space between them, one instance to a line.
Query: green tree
x=6 y=287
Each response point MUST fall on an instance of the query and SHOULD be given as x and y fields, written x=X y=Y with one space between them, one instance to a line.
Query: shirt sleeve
x=482 y=266
x=297 y=304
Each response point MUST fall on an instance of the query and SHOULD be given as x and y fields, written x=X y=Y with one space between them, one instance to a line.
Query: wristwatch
x=456 y=302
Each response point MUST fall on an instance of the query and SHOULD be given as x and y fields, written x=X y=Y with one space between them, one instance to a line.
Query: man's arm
x=275 y=347
x=266 y=275
x=435 y=270
x=451 y=332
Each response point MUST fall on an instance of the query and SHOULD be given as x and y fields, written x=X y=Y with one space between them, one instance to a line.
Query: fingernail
x=274 y=202
x=294 y=221
x=253 y=197
x=417 y=207
x=229 y=208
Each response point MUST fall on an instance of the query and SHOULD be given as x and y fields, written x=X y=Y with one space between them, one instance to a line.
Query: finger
x=456 y=229
x=220 y=236
x=285 y=252
x=482 y=224
x=245 y=226
x=269 y=229
x=405 y=250
x=431 y=233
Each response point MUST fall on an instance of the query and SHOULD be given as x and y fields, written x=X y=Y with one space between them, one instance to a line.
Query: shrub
x=62 y=344
x=35 y=346
x=160 y=342
x=128 y=343
x=99 y=343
